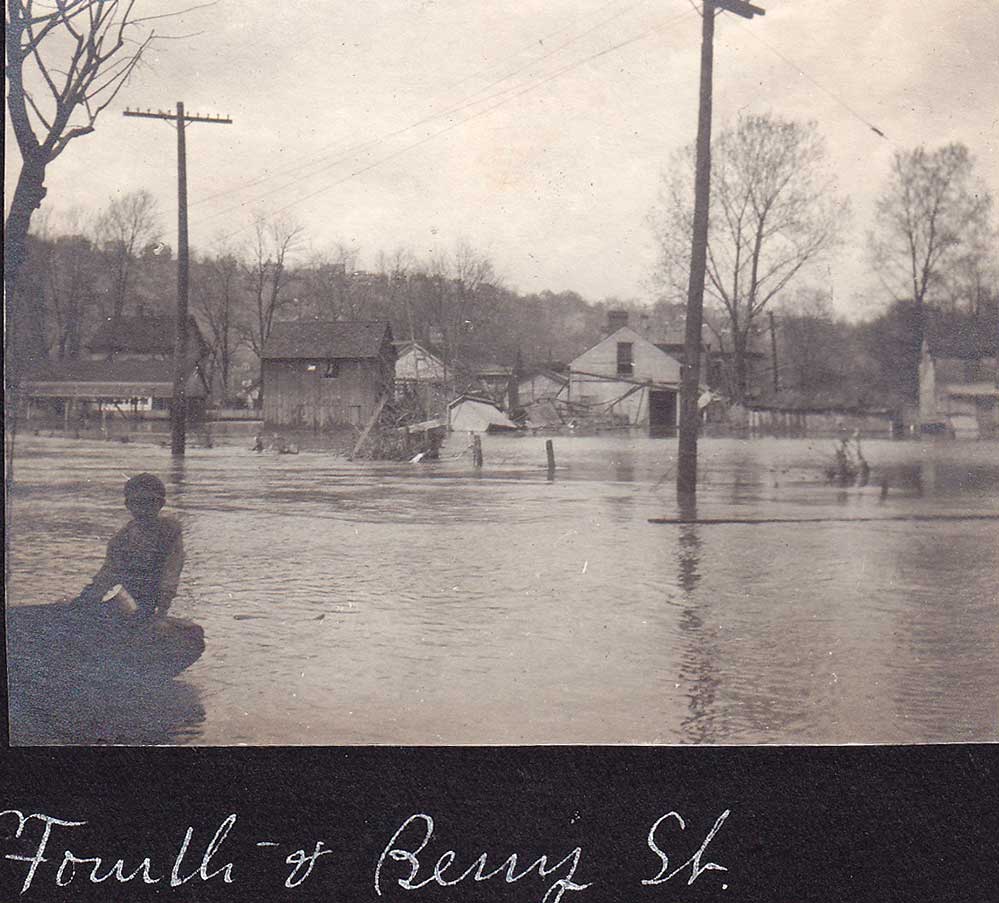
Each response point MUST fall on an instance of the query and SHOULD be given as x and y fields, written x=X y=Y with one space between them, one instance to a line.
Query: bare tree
x=72 y=289
x=932 y=228
x=266 y=275
x=218 y=301
x=327 y=285
x=773 y=211
x=396 y=268
x=66 y=61
x=126 y=226
x=460 y=279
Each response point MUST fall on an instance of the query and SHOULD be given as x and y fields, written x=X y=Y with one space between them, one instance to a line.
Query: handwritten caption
x=408 y=861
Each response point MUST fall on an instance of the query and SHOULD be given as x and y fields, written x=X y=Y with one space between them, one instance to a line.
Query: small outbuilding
x=472 y=414
x=323 y=375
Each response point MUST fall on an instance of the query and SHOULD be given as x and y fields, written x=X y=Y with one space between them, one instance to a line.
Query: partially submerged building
x=626 y=379
x=126 y=369
x=420 y=379
x=323 y=375
x=958 y=391
x=474 y=414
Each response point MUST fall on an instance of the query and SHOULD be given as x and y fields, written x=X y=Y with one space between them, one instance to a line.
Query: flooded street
x=349 y=603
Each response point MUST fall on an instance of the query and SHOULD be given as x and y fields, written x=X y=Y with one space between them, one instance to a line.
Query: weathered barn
x=321 y=375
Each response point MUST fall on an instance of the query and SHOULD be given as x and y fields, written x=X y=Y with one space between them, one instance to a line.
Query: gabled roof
x=404 y=348
x=142 y=335
x=327 y=340
x=623 y=334
x=114 y=378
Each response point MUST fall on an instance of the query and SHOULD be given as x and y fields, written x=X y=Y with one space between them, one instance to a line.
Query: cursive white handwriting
x=69 y=862
x=696 y=869
x=477 y=871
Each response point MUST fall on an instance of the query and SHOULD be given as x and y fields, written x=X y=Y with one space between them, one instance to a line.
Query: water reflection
x=176 y=475
x=698 y=664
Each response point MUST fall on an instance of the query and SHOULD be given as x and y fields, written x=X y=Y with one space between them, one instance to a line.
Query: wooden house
x=420 y=380
x=958 y=391
x=322 y=375
x=626 y=378
x=126 y=368
x=415 y=364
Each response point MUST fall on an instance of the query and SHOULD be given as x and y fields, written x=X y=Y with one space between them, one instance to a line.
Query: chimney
x=615 y=320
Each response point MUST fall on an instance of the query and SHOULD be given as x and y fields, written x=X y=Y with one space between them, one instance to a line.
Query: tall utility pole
x=686 y=474
x=178 y=405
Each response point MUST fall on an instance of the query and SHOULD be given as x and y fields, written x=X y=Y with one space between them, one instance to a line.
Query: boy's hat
x=145 y=485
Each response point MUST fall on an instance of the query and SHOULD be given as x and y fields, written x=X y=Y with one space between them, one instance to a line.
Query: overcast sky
x=394 y=123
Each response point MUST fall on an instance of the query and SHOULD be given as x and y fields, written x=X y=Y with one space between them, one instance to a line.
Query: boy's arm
x=106 y=576
x=170 y=578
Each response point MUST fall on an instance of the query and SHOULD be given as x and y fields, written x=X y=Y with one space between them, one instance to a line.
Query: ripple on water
x=352 y=603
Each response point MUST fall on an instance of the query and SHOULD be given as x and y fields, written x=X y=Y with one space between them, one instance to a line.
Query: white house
x=627 y=377
x=958 y=394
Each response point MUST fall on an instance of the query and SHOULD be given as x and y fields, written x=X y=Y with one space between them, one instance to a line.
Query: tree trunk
x=28 y=196
x=739 y=361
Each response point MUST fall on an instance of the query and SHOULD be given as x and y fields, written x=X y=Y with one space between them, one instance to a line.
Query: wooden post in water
x=477 y=450
x=550 y=450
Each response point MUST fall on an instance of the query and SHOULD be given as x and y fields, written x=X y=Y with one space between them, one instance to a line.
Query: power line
x=817 y=84
x=353 y=149
x=513 y=93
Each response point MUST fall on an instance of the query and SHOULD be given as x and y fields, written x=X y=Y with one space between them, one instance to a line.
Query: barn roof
x=141 y=335
x=326 y=340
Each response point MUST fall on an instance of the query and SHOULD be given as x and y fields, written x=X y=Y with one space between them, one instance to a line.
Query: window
x=625 y=364
x=331 y=370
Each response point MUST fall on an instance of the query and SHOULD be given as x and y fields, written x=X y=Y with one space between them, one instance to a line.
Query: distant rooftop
x=327 y=340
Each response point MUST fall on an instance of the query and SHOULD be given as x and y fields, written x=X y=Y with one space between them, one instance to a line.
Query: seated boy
x=145 y=557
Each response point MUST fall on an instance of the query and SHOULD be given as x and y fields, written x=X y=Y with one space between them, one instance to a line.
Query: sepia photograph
x=438 y=373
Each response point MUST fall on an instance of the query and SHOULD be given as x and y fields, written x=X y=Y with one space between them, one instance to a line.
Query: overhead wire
x=352 y=150
x=830 y=93
x=513 y=93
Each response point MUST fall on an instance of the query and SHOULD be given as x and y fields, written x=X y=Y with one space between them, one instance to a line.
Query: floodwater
x=348 y=603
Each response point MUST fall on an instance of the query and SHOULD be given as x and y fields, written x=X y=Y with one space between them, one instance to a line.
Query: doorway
x=662 y=412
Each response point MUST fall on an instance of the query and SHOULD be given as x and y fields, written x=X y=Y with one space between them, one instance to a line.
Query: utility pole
x=178 y=405
x=686 y=474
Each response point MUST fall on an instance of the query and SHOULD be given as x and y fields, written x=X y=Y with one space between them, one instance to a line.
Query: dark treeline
x=78 y=275
x=81 y=273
